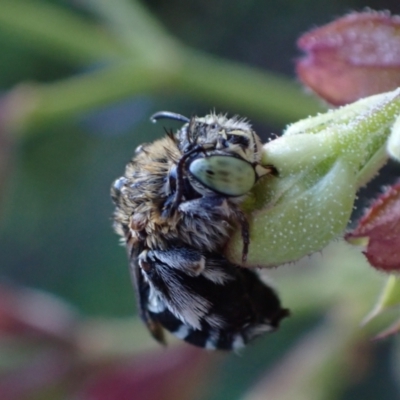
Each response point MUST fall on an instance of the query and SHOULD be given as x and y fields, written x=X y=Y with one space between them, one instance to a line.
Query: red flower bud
x=353 y=57
x=381 y=227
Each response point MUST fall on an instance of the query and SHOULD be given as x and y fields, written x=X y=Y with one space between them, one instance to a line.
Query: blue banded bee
x=176 y=206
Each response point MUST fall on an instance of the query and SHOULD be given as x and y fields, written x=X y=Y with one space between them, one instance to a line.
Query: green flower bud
x=321 y=162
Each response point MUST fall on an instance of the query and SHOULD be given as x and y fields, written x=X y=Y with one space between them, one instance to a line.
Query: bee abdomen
x=237 y=309
x=207 y=337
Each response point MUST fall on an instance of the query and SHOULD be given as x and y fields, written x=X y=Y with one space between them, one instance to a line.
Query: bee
x=176 y=206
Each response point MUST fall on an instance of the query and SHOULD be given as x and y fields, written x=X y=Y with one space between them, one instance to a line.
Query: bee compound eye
x=229 y=176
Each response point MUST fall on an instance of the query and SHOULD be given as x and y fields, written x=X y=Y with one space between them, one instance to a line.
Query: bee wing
x=142 y=296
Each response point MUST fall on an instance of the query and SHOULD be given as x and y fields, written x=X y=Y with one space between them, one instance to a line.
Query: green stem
x=87 y=91
x=257 y=93
x=58 y=32
x=134 y=26
x=267 y=96
x=160 y=63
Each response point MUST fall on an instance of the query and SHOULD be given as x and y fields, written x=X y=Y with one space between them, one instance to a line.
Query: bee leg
x=245 y=229
x=211 y=208
x=179 y=182
x=180 y=173
x=142 y=298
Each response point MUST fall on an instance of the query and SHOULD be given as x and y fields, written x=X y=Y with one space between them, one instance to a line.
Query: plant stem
x=270 y=97
x=57 y=32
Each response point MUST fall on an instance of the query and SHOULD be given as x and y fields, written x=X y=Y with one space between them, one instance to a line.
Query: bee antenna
x=168 y=115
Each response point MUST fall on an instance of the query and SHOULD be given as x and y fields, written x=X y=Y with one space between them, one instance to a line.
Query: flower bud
x=352 y=57
x=321 y=162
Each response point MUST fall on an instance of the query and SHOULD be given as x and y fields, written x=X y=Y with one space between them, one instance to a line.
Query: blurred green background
x=55 y=226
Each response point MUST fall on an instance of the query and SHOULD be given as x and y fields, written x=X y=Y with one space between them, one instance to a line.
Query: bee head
x=233 y=136
x=222 y=154
x=222 y=135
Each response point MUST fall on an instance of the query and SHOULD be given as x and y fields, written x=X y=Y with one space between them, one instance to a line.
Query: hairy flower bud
x=321 y=162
